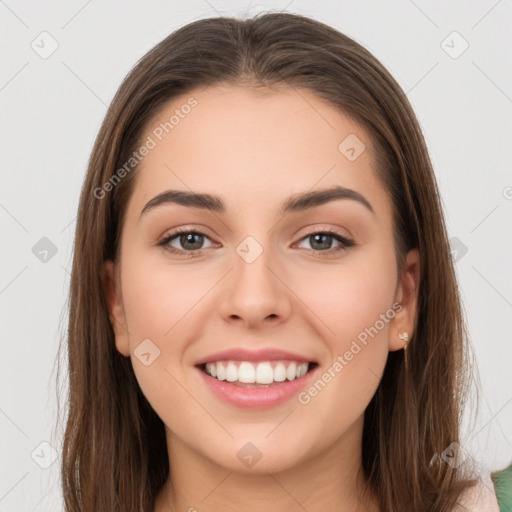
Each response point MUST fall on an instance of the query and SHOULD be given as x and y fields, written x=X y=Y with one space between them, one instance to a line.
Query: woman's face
x=255 y=278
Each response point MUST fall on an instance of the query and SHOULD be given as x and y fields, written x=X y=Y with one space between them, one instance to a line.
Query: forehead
x=254 y=144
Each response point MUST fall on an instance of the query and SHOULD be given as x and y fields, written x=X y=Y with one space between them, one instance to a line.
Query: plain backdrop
x=453 y=59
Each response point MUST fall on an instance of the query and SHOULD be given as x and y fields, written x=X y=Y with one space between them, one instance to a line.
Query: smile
x=261 y=385
x=263 y=373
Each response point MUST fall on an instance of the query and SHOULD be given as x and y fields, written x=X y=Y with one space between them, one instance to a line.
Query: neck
x=330 y=480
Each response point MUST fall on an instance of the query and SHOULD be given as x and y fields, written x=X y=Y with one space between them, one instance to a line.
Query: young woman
x=264 y=313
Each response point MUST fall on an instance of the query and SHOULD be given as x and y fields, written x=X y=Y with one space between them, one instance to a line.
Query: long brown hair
x=113 y=451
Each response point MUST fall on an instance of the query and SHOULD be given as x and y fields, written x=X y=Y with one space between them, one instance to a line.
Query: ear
x=407 y=295
x=117 y=317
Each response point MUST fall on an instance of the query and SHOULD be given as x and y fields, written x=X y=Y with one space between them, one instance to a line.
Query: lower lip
x=258 y=398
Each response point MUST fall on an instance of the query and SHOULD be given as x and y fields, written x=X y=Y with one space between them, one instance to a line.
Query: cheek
x=354 y=303
x=160 y=303
x=349 y=298
x=158 y=296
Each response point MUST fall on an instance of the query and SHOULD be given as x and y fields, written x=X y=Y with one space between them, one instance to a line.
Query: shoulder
x=479 y=498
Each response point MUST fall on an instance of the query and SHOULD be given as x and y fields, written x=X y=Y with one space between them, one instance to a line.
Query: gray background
x=51 y=110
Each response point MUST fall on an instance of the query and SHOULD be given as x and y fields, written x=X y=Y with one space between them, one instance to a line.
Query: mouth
x=262 y=374
x=257 y=379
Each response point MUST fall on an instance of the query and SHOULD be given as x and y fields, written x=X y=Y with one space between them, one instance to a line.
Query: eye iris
x=188 y=237
x=321 y=236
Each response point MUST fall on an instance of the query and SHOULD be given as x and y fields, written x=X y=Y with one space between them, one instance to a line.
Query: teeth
x=220 y=370
x=280 y=372
x=265 y=372
x=231 y=372
x=291 y=371
x=246 y=372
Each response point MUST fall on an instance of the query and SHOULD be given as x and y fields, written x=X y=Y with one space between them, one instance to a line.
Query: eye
x=190 y=240
x=321 y=241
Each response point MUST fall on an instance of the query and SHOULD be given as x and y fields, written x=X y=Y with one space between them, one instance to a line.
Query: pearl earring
x=404 y=337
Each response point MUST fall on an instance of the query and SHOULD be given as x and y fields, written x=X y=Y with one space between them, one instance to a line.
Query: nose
x=257 y=294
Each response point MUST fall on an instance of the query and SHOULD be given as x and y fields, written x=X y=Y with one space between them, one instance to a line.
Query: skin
x=255 y=149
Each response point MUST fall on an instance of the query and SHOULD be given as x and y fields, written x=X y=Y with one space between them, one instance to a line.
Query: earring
x=404 y=337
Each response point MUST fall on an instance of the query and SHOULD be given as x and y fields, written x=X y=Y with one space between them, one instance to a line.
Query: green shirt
x=502 y=481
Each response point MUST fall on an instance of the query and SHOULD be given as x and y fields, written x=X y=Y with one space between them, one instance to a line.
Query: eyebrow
x=294 y=203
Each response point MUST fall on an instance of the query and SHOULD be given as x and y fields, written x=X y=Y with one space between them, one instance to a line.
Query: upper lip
x=241 y=354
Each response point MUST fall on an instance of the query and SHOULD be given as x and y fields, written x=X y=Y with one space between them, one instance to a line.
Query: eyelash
x=346 y=242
